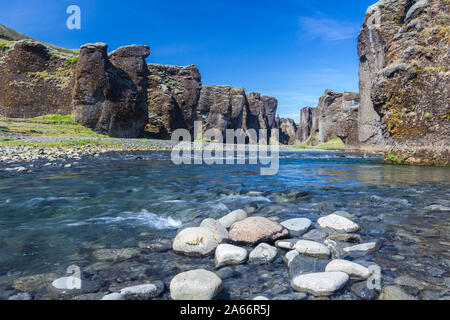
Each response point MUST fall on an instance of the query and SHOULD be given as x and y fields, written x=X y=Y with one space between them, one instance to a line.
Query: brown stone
x=254 y=230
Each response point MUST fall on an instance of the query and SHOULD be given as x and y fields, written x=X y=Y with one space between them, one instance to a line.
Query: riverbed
x=55 y=216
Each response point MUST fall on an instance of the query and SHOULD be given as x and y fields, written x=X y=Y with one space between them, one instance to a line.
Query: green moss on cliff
x=48 y=125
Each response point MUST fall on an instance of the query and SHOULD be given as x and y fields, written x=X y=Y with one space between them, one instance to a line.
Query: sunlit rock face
x=403 y=52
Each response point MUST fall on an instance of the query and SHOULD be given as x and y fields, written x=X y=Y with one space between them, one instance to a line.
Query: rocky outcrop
x=221 y=108
x=261 y=112
x=119 y=94
x=338 y=118
x=403 y=51
x=308 y=129
x=110 y=91
x=173 y=94
x=35 y=80
x=287 y=132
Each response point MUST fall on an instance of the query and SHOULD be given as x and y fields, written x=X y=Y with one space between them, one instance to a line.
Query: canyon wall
x=34 y=80
x=404 y=77
x=336 y=116
x=118 y=93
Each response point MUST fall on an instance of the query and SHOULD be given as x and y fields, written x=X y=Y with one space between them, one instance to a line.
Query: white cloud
x=327 y=29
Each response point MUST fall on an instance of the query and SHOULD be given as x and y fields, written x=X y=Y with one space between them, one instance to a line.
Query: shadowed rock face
x=261 y=112
x=336 y=116
x=339 y=117
x=221 y=108
x=288 y=129
x=34 y=81
x=173 y=94
x=304 y=129
x=403 y=51
x=309 y=126
x=110 y=92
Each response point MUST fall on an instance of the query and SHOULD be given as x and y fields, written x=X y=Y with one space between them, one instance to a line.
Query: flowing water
x=56 y=217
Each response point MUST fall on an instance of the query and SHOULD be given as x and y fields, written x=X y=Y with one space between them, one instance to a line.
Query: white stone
x=234 y=216
x=197 y=284
x=112 y=296
x=67 y=283
x=227 y=254
x=298 y=226
x=260 y=298
x=312 y=248
x=215 y=226
x=143 y=291
x=321 y=283
x=286 y=243
x=362 y=247
x=289 y=256
x=263 y=253
x=337 y=223
x=354 y=270
x=196 y=241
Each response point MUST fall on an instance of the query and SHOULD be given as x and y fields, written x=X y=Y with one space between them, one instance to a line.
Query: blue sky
x=290 y=49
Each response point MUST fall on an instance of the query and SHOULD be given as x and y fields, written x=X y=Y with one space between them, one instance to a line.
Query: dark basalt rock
x=288 y=129
x=221 y=108
x=338 y=118
x=172 y=97
x=403 y=51
x=309 y=126
x=35 y=80
x=110 y=92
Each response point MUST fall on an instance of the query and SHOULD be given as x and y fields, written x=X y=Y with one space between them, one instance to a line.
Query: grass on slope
x=60 y=144
x=332 y=144
x=53 y=125
x=8 y=36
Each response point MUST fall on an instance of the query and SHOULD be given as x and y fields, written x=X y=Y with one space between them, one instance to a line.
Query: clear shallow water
x=56 y=217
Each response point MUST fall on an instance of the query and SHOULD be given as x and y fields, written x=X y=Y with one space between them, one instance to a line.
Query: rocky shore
x=325 y=260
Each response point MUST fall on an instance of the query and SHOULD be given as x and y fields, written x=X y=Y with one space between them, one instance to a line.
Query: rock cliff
x=288 y=130
x=173 y=93
x=221 y=108
x=34 y=80
x=110 y=92
x=404 y=77
x=336 y=116
x=118 y=93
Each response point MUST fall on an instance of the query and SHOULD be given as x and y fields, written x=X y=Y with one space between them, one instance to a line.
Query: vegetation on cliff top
x=53 y=125
x=9 y=36
x=332 y=144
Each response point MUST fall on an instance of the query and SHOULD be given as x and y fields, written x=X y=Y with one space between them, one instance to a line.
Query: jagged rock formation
x=288 y=130
x=338 y=118
x=110 y=92
x=404 y=77
x=221 y=108
x=261 y=111
x=308 y=129
x=173 y=94
x=34 y=80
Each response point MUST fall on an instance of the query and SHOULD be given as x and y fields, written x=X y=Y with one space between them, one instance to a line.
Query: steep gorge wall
x=35 y=80
x=336 y=116
x=403 y=50
x=110 y=91
x=119 y=94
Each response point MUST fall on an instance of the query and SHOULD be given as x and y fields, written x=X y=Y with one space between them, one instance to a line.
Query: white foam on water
x=144 y=217
x=245 y=198
x=38 y=199
x=174 y=201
